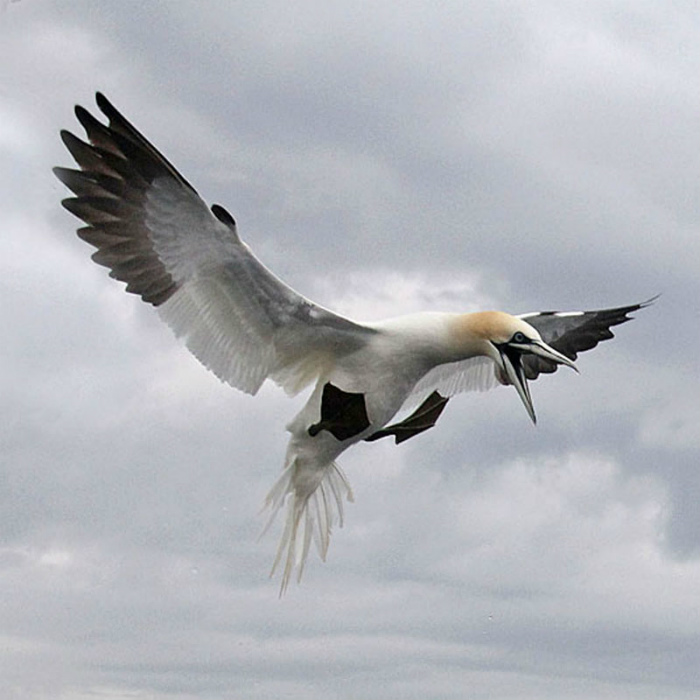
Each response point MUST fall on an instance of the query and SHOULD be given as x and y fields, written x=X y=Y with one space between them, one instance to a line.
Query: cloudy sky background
x=382 y=158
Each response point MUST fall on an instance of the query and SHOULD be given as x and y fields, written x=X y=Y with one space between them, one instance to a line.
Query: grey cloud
x=382 y=162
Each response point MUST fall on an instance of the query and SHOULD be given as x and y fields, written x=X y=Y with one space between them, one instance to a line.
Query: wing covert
x=473 y=374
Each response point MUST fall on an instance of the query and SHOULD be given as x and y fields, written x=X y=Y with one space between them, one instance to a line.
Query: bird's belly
x=383 y=380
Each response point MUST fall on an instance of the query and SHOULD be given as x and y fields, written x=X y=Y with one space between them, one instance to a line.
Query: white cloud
x=374 y=294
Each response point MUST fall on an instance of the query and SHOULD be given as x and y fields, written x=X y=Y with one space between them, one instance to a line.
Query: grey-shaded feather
x=154 y=232
x=110 y=190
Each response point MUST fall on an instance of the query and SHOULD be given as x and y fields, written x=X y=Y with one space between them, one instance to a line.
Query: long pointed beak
x=516 y=376
x=539 y=347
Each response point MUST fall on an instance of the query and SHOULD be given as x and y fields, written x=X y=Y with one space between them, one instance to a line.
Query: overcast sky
x=382 y=158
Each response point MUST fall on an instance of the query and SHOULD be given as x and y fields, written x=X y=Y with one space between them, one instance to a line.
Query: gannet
x=154 y=232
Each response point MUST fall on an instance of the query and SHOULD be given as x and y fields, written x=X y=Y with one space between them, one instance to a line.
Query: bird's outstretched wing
x=569 y=332
x=572 y=332
x=473 y=374
x=155 y=233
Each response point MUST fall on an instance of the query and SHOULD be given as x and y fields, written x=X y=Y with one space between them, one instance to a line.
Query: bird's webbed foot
x=343 y=414
x=423 y=418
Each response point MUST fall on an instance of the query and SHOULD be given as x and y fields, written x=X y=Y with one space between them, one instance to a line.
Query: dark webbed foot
x=343 y=414
x=423 y=418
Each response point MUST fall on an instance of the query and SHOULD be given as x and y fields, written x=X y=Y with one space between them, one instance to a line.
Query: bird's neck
x=442 y=337
x=471 y=335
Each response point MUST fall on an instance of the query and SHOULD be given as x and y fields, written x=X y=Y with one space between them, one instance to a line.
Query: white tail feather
x=314 y=498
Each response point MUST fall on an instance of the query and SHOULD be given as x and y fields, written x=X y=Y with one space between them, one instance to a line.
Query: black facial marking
x=514 y=355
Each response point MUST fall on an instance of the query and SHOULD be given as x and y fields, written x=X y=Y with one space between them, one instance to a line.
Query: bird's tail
x=314 y=498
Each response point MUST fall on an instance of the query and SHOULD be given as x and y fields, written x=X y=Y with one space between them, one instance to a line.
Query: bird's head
x=507 y=340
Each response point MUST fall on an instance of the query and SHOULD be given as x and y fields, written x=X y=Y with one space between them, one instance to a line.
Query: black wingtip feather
x=223 y=216
x=83 y=116
x=72 y=142
x=108 y=109
x=98 y=133
x=103 y=103
x=117 y=165
x=579 y=333
x=649 y=302
x=129 y=139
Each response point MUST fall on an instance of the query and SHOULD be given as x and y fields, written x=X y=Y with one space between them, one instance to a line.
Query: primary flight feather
x=154 y=232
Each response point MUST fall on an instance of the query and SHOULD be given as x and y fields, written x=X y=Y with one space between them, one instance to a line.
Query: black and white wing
x=572 y=332
x=569 y=332
x=154 y=232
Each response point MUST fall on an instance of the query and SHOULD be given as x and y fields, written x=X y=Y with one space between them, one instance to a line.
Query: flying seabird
x=154 y=232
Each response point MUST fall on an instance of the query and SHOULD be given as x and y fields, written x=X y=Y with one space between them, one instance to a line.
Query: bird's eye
x=519 y=338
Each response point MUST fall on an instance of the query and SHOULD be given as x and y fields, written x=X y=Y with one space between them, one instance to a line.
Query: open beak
x=516 y=376
x=514 y=371
x=538 y=347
